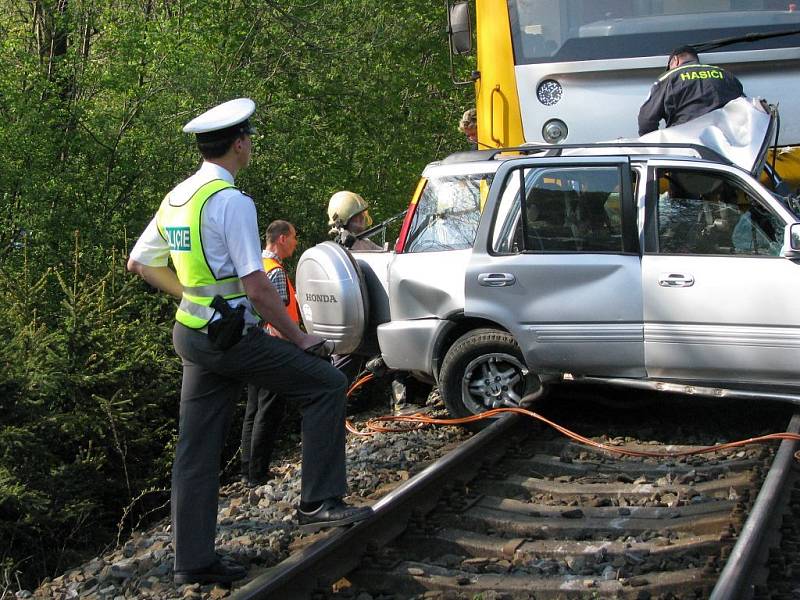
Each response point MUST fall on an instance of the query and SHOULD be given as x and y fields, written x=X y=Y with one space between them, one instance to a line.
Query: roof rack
x=556 y=150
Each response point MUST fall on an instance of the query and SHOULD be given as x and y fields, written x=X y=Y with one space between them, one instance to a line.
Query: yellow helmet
x=345 y=205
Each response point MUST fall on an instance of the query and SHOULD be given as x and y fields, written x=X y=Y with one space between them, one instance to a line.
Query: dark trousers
x=212 y=382
x=262 y=420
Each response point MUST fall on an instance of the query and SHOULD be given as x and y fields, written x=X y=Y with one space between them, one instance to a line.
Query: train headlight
x=549 y=92
x=554 y=131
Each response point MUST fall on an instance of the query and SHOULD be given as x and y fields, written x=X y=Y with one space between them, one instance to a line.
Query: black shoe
x=333 y=512
x=216 y=572
x=376 y=366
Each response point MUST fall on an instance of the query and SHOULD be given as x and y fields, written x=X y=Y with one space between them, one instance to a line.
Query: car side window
x=698 y=212
x=448 y=213
x=573 y=209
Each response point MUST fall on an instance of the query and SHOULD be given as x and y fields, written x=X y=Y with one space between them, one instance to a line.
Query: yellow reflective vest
x=179 y=225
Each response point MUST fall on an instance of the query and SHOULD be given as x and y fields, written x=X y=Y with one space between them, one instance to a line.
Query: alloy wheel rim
x=493 y=380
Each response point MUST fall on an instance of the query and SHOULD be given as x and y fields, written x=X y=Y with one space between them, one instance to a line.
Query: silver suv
x=660 y=266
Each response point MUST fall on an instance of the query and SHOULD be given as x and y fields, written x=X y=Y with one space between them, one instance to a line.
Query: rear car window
x=448 y=213
x=565 y=209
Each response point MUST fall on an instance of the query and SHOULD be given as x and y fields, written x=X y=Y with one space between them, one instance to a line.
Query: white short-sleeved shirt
x=229 y=229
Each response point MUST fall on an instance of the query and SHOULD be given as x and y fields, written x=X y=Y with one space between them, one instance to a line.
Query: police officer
x=348 y=216
x=208 y=229
x=686 y=91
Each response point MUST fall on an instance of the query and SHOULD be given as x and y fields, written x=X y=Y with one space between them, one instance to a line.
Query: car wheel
x=484 y=369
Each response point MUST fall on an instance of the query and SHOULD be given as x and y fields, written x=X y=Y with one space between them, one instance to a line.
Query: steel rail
x=735 y=581
x=326 y=561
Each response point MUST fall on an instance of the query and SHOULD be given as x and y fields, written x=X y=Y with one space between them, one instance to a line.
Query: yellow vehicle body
x=502 y=118
x=496 y=96
x=787 y=165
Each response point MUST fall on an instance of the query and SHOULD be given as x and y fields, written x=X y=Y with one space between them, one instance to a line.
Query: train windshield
x=575 y=30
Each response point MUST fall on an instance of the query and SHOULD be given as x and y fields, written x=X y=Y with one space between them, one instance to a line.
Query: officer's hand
x=309 y=339
x=318 y=346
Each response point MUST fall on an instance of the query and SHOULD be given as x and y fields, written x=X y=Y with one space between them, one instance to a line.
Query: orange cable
x=419 y=420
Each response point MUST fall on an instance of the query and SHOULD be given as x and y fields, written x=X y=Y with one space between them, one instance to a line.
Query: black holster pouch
x=226 y=332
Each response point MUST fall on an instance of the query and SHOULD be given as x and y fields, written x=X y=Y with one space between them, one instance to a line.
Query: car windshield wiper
x=747 y=37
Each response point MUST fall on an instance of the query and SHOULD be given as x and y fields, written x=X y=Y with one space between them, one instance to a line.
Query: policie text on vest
x=179 y=239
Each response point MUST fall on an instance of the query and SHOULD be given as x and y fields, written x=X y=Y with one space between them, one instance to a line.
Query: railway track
x=519 y=511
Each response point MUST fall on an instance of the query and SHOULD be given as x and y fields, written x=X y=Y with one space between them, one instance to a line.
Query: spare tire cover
x=331 y=295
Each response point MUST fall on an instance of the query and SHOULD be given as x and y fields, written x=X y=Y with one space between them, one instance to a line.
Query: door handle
x=496 y=279
x=674 y=280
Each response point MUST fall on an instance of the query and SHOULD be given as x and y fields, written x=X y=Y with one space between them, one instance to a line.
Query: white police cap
x=226 y=120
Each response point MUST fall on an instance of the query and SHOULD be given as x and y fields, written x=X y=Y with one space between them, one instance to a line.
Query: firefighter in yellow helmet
x=348 y=216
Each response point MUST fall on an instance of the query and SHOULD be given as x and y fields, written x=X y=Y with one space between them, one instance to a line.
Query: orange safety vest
x=293 y=309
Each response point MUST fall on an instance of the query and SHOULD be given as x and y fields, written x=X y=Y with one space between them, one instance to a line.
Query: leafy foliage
x=89 y=402
x=351 y=94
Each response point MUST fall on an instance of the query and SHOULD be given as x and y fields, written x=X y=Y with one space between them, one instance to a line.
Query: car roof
x=461 y=167
x=634 y=150
x=442 y=168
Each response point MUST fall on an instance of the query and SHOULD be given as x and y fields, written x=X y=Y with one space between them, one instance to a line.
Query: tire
x=484 y=369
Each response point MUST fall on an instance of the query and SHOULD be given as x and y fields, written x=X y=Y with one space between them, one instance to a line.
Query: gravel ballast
x=256 y=526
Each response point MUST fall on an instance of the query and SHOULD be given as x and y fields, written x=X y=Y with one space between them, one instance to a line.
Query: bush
x=88 y=413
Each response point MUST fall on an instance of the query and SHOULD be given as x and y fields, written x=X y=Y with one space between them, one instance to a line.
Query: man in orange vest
x=265 y=409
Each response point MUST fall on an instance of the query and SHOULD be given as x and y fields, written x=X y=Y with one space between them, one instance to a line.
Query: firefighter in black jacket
x=686 y=91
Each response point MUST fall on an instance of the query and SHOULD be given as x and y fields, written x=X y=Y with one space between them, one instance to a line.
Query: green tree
x=351 y=94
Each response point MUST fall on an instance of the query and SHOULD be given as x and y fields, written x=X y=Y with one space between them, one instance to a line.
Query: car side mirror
x=793 y=251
